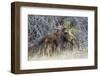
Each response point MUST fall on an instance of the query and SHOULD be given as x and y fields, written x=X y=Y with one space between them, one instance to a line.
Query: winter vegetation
x=57 y=37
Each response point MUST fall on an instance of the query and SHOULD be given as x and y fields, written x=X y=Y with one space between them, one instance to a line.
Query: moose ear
x=63 y=28
x=65 y=33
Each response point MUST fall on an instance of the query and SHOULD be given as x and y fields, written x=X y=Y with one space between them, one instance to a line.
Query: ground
x=63 y=55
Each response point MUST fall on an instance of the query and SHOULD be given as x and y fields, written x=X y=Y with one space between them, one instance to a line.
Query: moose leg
x=71 y=45
x=48 y=50
x=75 y=44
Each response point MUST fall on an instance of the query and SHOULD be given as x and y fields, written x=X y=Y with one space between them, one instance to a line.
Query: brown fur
x=49 y=44
x=57 y=40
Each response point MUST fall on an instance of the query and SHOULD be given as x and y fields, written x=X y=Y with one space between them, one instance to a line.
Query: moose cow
x=55 y=42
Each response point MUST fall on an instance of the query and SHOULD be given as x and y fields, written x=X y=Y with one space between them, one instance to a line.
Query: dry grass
x=67 y=54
